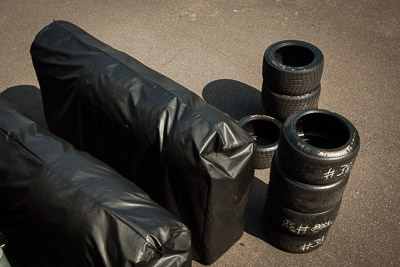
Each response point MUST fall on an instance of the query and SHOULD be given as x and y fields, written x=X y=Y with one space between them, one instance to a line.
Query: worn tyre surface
x=301 y=197
x=318 y=146
x=293 y=243
x=292 y=67
x=282 y=106
x=266 y=131
x=297 y=223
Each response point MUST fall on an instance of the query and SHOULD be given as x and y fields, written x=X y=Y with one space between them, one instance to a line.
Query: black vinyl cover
x=188 y=156
x=94 y=216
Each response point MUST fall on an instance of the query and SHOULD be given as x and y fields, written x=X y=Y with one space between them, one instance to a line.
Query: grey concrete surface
x=199 y=43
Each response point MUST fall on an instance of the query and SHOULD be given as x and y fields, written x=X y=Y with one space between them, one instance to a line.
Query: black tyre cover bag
x=188 y=156
x=95 y=215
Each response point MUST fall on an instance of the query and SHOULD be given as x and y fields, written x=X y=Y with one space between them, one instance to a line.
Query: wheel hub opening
x=322 y=131
x=264 y=132
x=294 y=56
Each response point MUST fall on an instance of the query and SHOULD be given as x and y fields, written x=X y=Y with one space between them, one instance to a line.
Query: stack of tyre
x=309 y=173
x=292 y=72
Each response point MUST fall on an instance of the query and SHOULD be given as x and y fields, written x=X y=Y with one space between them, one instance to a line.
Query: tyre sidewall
x=296 y=223
x=292 y=243
x=301 y=197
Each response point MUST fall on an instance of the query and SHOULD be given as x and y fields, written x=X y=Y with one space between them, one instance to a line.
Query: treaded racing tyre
x=292 y=67
x=282 y=106
x=318 y=147
x=297 y=223
x=292 y=243
x=301 y=197
x=266 y=131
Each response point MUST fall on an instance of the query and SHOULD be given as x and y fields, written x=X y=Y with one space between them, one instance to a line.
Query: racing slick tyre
x=297 y=223
x=292 y=243
x=302 y=197
x=318 y=147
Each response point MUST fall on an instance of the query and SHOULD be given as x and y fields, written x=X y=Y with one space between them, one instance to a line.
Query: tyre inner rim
x=294 y=56
x=264 y=132
x=322 y=131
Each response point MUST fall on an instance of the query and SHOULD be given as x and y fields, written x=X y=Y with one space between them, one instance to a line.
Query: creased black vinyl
x=188 y=156
x=62 y=207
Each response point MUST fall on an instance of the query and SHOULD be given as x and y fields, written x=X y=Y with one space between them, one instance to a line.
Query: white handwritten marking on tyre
x=319 y=226
x=303 y=229
x=313 y=244
x=344 y=169
x=289 y=225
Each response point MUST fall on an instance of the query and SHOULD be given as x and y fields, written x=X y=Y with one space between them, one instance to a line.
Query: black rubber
x=301 y=197
x=318 y=146
x=282 y=106
x=293 y=243
x=292 y=67
x=266 y=131
x=297 y=223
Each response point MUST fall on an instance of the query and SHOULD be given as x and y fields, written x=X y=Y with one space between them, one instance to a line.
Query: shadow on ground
x=239 y=100
x=255 y=210
x=27 y=100
x=235 y=98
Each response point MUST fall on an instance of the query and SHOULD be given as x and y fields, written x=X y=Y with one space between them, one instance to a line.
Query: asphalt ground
x=215 y=49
